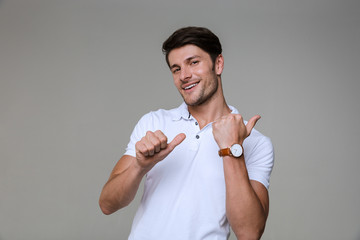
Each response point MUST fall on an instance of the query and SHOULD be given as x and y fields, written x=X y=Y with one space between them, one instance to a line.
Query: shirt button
x=196 y=123
x=197 y=136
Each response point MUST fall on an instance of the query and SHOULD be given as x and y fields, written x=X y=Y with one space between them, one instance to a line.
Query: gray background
x=76 y=75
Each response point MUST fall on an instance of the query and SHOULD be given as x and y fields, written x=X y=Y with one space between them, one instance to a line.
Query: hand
x=153 y=148
x=231 y=129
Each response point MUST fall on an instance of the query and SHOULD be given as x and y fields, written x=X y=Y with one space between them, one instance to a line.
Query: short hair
x=198 y=36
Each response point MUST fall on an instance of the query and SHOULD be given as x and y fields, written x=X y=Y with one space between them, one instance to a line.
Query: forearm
x=246 y=214
x=120 y=189
x=126 y=177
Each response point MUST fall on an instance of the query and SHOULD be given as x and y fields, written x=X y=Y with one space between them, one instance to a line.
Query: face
x=195 y=76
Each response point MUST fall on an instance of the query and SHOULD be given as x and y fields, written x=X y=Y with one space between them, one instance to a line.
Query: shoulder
x=160 y=116
x=258 y=146
x=151 y=121
x=259 y=157
x=257 y=139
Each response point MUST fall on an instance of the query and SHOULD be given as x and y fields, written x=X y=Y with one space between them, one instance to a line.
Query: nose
x=185 y=74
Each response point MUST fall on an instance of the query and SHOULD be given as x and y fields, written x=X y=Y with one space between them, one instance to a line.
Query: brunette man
x=211 y=174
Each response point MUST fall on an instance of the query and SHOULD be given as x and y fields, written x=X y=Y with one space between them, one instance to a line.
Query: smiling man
x=213 y=172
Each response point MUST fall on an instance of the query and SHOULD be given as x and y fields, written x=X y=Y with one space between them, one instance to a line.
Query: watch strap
x=225 y=152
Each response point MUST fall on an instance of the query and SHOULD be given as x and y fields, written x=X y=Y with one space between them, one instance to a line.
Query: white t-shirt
x=184 y=194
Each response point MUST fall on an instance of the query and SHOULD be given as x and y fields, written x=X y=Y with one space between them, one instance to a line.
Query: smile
x=191 y=86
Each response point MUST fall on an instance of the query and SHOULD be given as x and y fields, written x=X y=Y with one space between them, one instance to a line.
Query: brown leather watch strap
x=224 y=152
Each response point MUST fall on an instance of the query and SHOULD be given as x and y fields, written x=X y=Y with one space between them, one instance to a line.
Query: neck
x=212 y=109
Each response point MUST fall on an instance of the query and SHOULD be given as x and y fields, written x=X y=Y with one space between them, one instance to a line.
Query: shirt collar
x=183 y=112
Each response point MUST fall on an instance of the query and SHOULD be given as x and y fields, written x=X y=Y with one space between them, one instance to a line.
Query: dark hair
x=198 y=36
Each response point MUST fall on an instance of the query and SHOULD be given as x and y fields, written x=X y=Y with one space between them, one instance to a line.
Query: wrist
x=139 y=169
x=235 y=150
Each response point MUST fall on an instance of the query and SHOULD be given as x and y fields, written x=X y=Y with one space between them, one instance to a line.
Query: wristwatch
x=236 y=150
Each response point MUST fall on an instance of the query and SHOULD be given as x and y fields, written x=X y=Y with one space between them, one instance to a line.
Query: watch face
x=236 y=150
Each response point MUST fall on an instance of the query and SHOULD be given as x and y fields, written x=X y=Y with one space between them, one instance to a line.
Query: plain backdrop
x=76 y=75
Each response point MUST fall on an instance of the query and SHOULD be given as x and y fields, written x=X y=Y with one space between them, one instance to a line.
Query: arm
x=122 y=185
x=126 y=176
x=247 y=201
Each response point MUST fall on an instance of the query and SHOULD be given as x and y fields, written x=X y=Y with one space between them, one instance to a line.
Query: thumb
x=176 y=141
x=251 y=123
x=170 y=147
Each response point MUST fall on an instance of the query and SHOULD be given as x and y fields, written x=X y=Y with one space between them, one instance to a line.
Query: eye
x=194 y=62
x=175 y=70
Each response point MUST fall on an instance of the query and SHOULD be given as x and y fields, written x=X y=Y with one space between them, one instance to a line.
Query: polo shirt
x=184 y=194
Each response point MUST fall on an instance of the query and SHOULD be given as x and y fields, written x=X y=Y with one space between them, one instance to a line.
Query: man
x=212 y=174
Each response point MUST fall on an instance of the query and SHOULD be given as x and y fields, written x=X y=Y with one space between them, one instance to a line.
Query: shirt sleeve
x=259 y=158
x=139 y=131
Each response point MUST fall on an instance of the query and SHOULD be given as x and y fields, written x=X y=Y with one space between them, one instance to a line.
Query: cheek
x=176 y=82
x=204 y=71
x=200 y=71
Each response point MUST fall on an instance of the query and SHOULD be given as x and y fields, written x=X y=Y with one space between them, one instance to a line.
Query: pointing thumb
x=251 y=123
x=176 y=141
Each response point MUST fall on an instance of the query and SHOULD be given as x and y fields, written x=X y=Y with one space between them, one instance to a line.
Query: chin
x=196 y=102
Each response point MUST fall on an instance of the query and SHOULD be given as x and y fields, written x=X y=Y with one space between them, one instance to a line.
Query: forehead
x=183 y=53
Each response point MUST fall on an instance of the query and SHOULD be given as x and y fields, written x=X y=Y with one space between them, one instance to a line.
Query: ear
x=219 y=64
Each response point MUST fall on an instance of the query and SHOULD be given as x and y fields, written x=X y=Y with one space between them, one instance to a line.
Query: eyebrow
x=187 y=60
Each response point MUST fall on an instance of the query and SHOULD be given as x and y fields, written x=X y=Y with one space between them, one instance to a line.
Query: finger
x=149 y=146
x=141 y=148
x=155 y=141
x=176 y=141
x=163 y=139
x=170 y=147
x=251 y=123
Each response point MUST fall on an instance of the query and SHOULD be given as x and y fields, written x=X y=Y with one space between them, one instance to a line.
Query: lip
x=184 y=86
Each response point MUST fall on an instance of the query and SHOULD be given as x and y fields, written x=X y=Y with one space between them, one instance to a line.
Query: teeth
x=191 y=86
